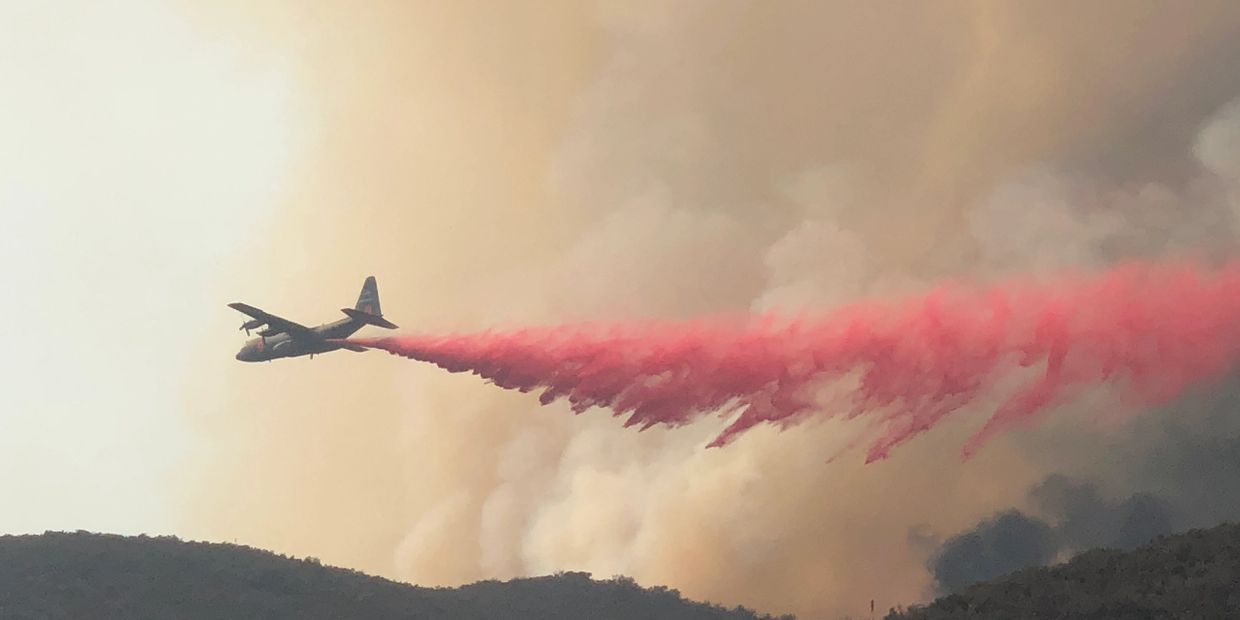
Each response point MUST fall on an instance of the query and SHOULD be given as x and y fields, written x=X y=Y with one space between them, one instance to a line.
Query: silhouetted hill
x=1190 y=575
x=84 y=575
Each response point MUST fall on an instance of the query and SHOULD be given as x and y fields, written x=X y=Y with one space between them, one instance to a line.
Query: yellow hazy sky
x=501 y=163
x=138 y=156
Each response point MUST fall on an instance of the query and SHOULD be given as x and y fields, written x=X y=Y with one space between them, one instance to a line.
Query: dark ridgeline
x=85 y=575
x=1186 y=576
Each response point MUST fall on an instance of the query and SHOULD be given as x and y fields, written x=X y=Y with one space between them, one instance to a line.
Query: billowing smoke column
x=902 y=365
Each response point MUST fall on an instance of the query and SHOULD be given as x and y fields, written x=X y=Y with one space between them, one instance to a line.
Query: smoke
x=1004 y=543
x=1071 y=516
x=1175 y=469
x=582 y=163
x=1086 y=519
x=1076 y=518
x=908 y=364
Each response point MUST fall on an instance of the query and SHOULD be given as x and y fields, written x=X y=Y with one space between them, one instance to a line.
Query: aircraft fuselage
x=283 y=345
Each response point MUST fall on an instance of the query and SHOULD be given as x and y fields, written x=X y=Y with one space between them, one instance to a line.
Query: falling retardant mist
x=1151 y=330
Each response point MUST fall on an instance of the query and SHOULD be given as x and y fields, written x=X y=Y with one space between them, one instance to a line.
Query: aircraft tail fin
x=367 y=310
x=368 y=300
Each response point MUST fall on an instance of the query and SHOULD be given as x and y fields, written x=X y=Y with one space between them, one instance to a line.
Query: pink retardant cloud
x=1150 y=330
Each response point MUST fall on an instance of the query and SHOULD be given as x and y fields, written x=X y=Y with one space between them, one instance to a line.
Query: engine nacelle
x=248 y=325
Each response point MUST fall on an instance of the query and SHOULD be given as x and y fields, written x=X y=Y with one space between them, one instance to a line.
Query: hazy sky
x=138 y=155
x=498 y=163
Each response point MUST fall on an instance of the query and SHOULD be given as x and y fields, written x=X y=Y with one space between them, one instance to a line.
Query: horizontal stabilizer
x=369 y=319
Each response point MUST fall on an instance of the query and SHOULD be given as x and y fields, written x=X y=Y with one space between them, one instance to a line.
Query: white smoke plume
x=628 y=160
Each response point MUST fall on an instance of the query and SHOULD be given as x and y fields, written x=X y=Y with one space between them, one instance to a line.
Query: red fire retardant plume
x=1150 y=330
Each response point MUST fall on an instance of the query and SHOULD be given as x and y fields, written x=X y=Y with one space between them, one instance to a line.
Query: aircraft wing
x=274 y=323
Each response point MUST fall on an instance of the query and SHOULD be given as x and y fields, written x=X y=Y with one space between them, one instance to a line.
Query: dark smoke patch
x=1191 y=456
x=1178 y=469
x=1085 y=519
x=1075 y=517
x=1006 y=542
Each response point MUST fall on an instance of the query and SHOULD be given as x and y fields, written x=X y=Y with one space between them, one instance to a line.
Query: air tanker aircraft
x=284 y=338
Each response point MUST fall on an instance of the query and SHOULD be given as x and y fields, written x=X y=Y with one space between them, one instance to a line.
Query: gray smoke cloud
x=1171 y=471
x=1071 y=516
x=621 y=159
x=1085 y=519
x=999 y=545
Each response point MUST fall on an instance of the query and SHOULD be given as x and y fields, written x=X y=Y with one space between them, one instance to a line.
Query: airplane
x=284 y=338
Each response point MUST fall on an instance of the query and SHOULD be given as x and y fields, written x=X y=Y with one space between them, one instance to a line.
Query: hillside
x=1190 y=575
x=84 y=575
